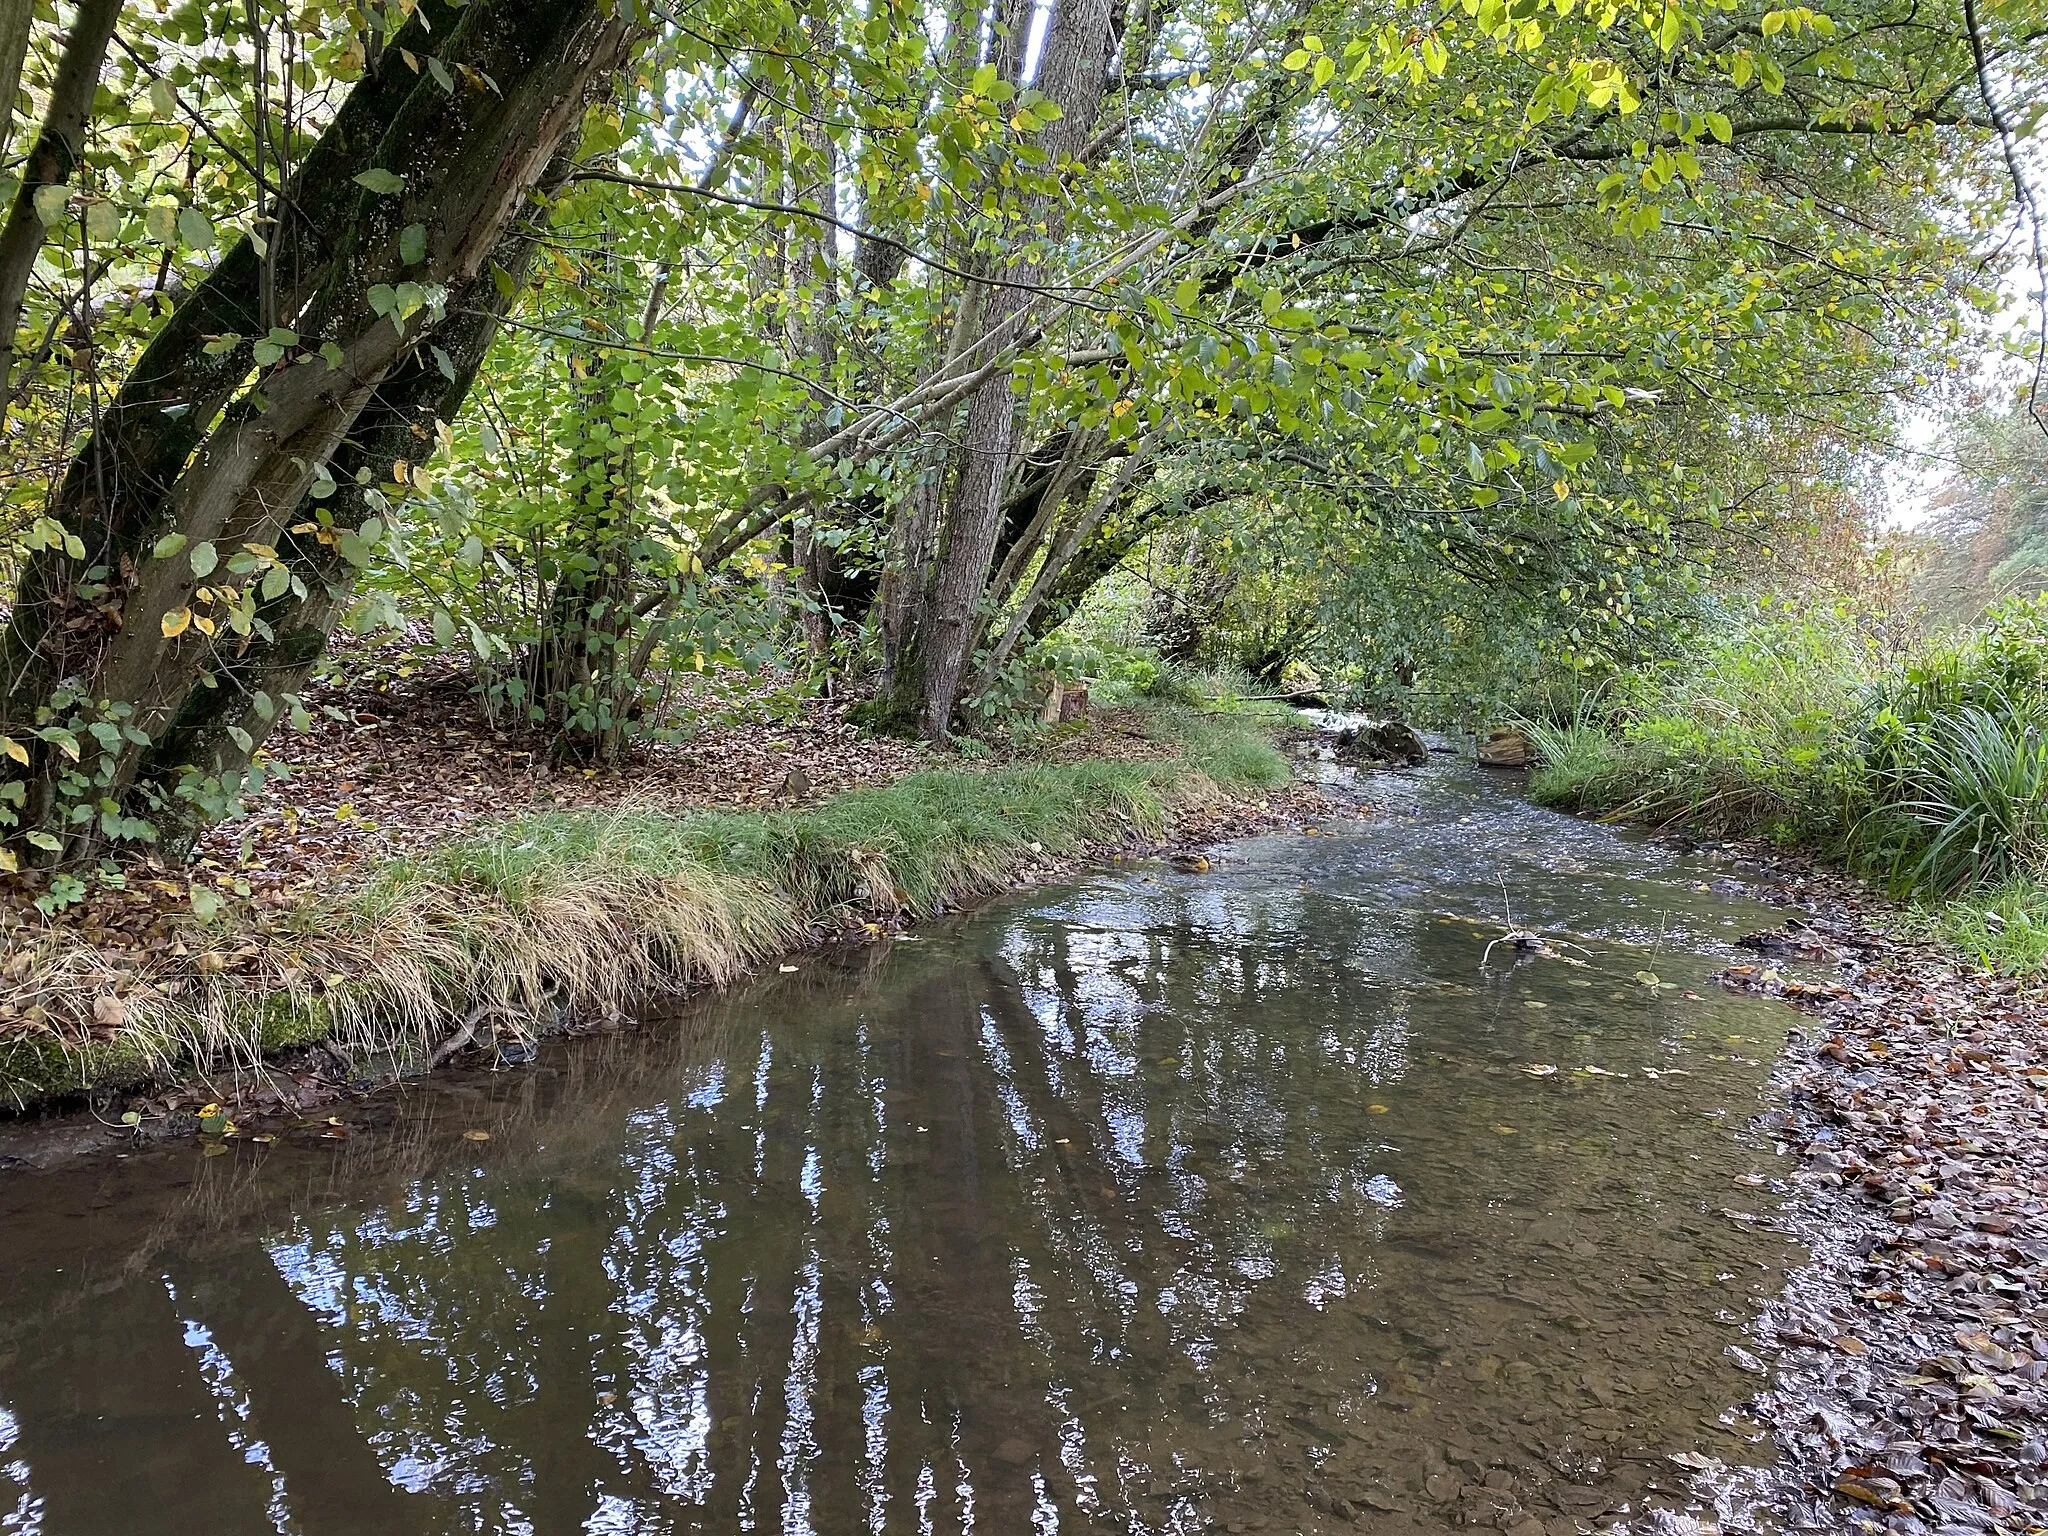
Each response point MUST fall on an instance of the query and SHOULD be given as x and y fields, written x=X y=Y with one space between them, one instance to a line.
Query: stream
x=1260 y=1199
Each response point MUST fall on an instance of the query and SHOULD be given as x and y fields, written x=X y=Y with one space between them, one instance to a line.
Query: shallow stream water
x=1243 y=1200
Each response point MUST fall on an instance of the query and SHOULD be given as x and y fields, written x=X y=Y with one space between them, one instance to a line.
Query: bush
x=1932 y=777
x=1957 y=745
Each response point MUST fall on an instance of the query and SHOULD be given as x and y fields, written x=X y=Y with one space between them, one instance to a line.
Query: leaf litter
x=1906 y=1385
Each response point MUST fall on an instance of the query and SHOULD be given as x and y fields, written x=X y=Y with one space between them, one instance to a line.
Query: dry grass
x=533 y=921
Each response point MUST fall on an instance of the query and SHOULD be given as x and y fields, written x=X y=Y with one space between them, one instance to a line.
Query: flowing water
x=1245 y=1200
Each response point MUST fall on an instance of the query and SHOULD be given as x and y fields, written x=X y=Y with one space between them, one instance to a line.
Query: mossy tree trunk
x=180 y=507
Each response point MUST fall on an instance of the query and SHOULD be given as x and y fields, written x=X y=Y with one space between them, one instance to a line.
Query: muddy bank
x=1904 y=1367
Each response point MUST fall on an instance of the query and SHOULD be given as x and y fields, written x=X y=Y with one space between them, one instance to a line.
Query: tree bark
x=54 y=157
x=16 y=22
x=248 y=692
x=1072 y=71
x=467 y=160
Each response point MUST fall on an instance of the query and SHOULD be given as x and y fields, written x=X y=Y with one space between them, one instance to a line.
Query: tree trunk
x=54 y=157
x=16 y=22
x=467 y=160
x=225 y=721
x=1072 y=71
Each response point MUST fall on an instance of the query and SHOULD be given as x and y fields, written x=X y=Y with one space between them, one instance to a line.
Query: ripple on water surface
x=1243 y=1201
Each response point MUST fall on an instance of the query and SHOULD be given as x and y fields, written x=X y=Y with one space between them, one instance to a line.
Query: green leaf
x=384 y=183
x=168 y=545
x=1295 y=60
x=204 y=559
x=163 y=101
x=412 y=244
x=50 y=202
x=160 y=222
x=195 y=229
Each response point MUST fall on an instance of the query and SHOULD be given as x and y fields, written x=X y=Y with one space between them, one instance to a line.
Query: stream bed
x=1264 y=1198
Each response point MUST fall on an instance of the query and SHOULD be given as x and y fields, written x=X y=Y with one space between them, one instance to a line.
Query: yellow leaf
x=206 y=625
x=176 y=622
x=9 y=747
x=8 y=862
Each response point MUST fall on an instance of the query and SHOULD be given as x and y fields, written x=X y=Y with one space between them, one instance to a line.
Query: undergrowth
x=578 y=911
x=1928 y=775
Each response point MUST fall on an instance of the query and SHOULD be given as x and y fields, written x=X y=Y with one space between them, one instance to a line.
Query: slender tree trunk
x=813 y=298
x=54 y=157
x=970 y=542
x=1072 y=71
x=16 y=22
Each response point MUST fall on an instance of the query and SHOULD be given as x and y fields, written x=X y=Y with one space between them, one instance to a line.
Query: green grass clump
x=1753 y=734
x=2003 y=928
x=1930 y=775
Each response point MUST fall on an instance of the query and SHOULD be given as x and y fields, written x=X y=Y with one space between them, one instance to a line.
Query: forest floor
x=398 y=770
x=1906 y=1384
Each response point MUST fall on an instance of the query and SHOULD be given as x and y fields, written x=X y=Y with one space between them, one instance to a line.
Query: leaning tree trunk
x=226 y=720
x=98 y=671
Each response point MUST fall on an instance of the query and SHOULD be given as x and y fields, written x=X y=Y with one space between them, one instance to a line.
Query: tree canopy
x=594 y=341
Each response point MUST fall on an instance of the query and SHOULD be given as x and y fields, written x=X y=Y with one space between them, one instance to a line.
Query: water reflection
x=1165 y=1204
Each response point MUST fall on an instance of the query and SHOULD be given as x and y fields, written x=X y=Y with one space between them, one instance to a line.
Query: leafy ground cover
x=1903 y=1366
x=456 y=895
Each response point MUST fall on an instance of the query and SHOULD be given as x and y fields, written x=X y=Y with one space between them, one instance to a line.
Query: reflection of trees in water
x=962 y=1239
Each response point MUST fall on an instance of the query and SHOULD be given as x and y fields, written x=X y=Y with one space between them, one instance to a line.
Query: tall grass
x=581 y=911
x=2004 y=928
x=1974 y=785
x=1752 y=734
x=1931 y=775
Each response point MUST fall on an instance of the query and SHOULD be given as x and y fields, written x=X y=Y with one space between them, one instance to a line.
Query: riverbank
x=1905 y=1363
x=383 y=963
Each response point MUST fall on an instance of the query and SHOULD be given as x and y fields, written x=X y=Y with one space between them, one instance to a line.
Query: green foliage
x=1987 y=538
x=1577 y=757
x=1932 y=774
x=2004 y=928
x=1958 y=744
x=1755 y=733
x=1462 y=374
